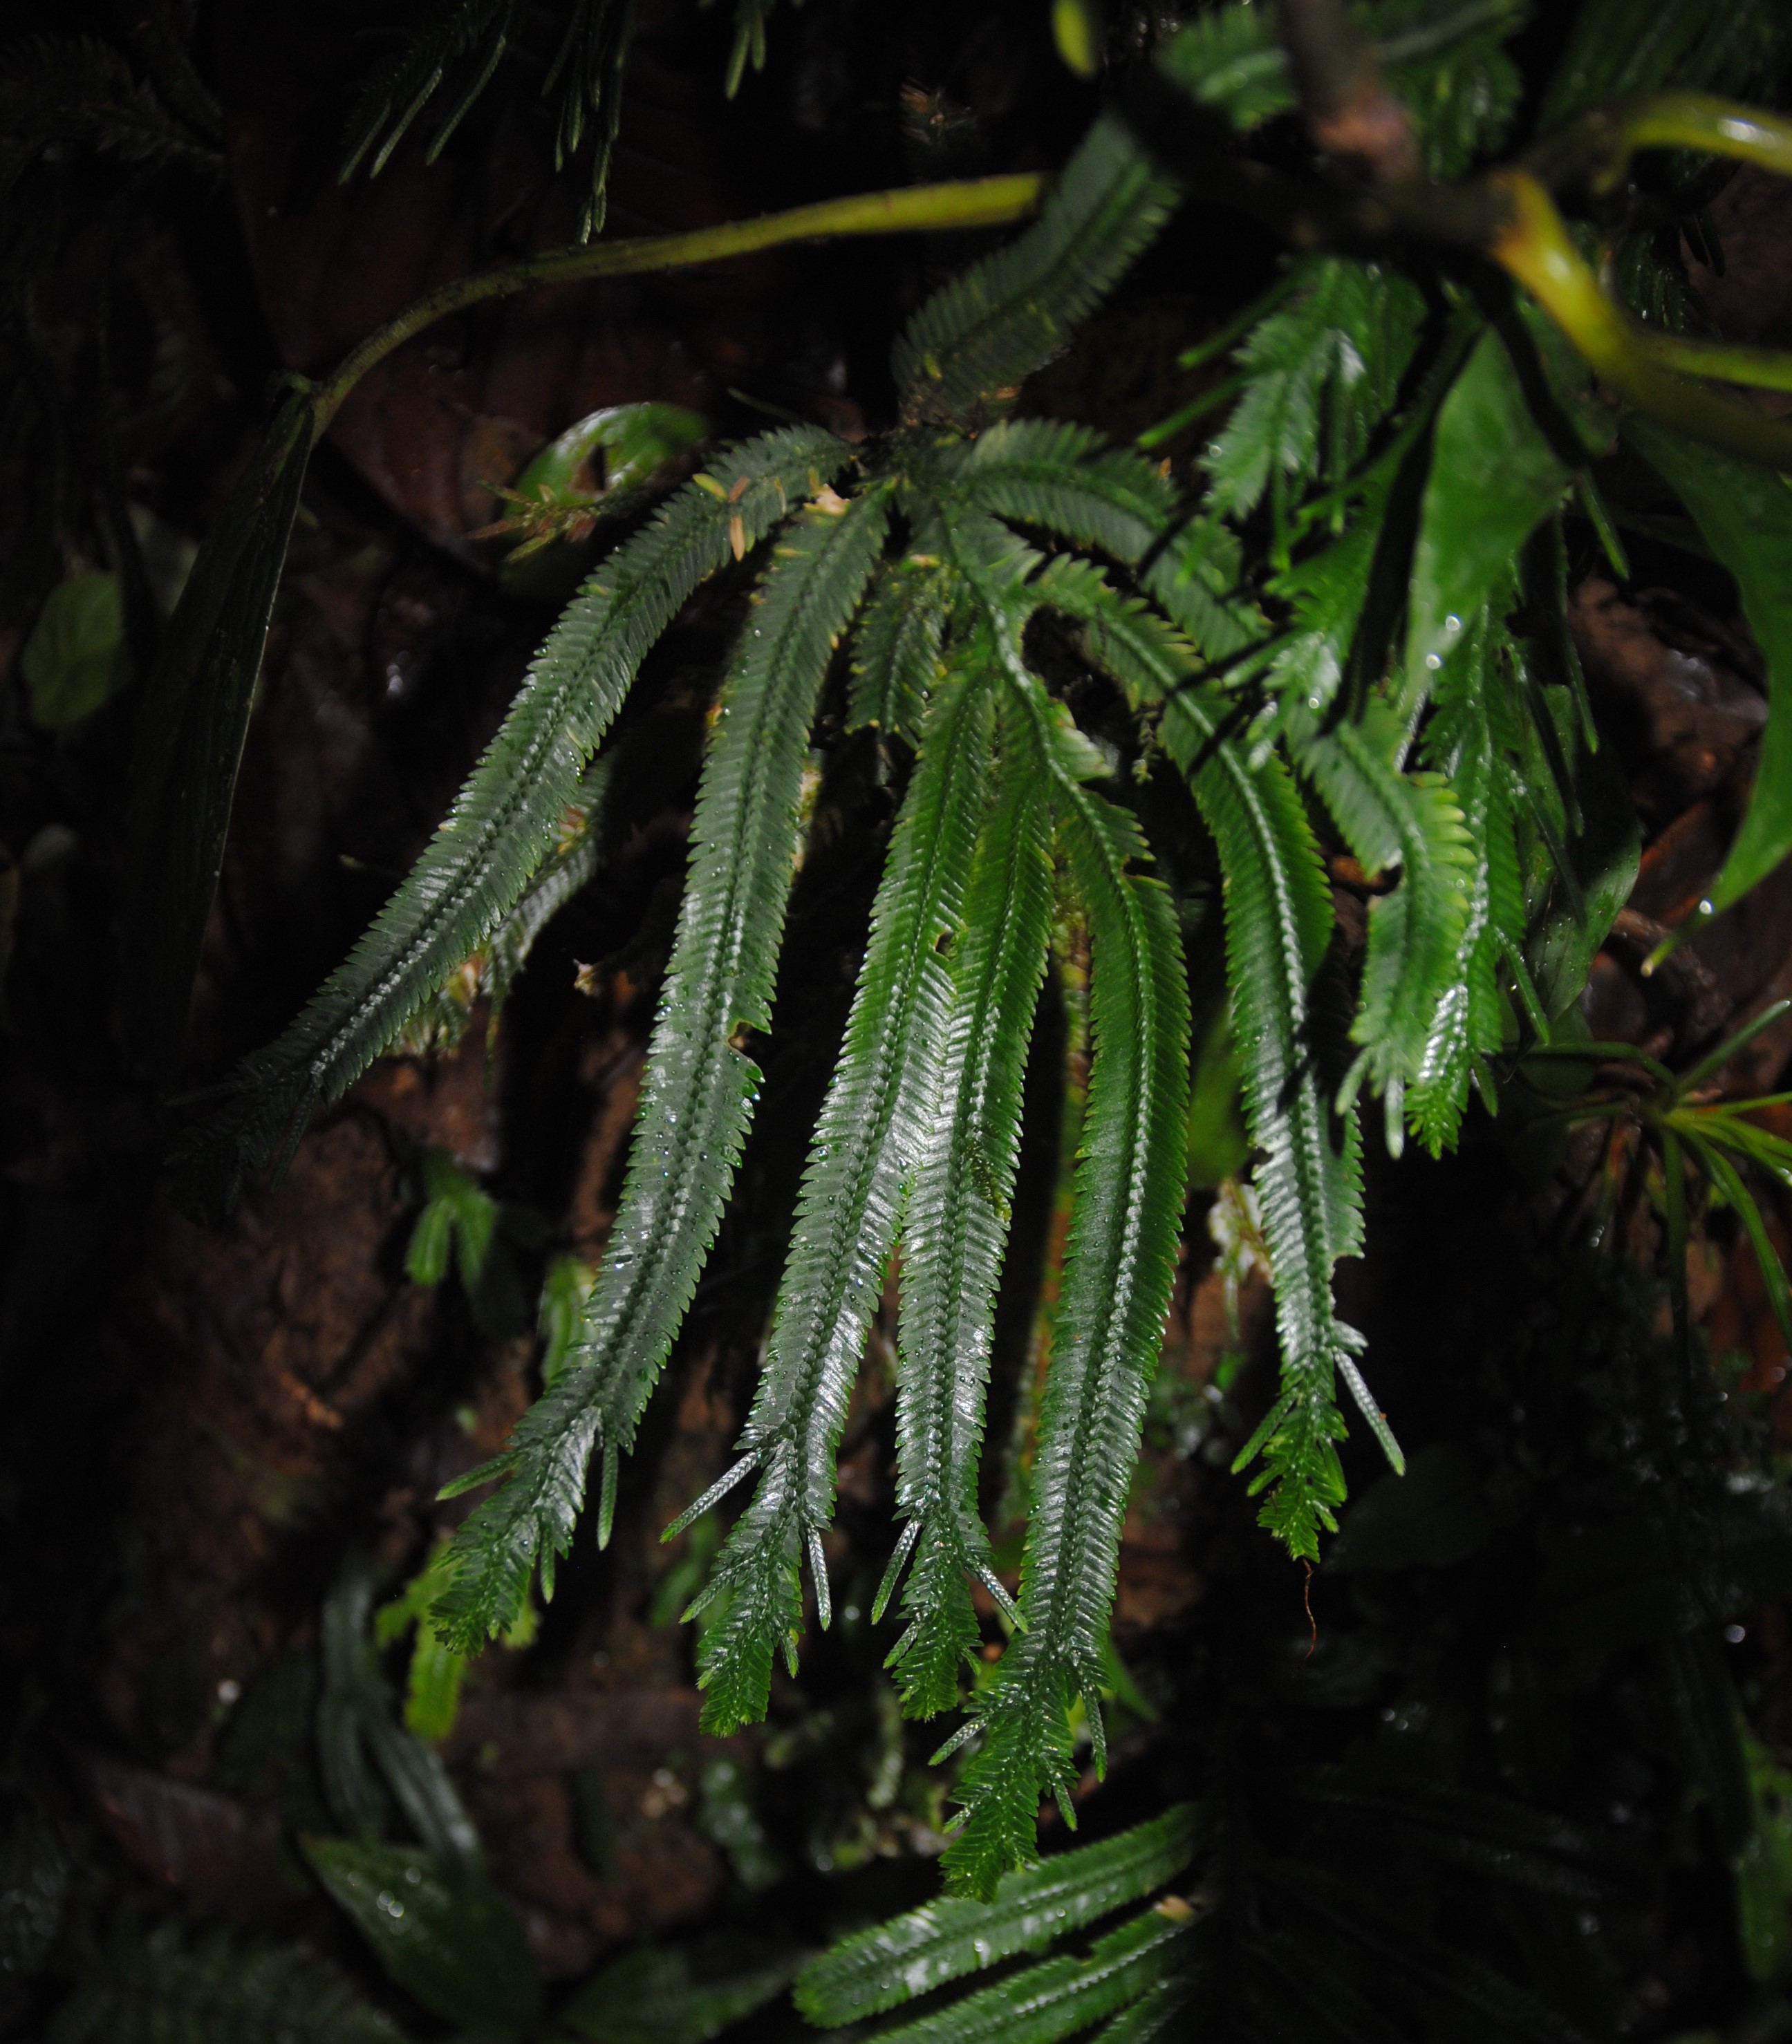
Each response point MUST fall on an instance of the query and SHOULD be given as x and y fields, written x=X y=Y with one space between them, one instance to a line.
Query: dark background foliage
x=205 y=1430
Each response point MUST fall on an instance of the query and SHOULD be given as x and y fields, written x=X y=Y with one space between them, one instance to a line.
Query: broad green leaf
x=453 y=1944
x=909 y=1956
x=1433 y=1516
x=976 y=341
x=1495 y=477
x=874 y=1122
x=652 y=1996
x=955 y=1231
x=509 y=815
x=1745 y=514
x=1058 y=1997
x=192 y=721
x=699 y=1089
x=75 y=659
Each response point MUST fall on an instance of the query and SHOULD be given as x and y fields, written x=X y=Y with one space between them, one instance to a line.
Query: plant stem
x=1350 y=112
x=973 y=202
x=1536 y=247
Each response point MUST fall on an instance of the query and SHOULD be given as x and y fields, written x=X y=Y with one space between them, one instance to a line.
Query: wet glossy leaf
x=453 y=1944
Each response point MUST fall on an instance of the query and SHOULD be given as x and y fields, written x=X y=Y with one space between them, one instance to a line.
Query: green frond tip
x=698 y=1091
x=1120 y=1256
x=506 y=818
x=874 y=1122
x=954 y=1232
x=981 y=337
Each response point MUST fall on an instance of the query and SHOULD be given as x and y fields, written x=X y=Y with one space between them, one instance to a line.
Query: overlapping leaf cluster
x=1342 y=624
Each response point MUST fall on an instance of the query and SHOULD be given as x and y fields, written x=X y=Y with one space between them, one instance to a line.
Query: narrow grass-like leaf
x=697 y=1091
x=909 y=1956
x=191 y=724
x=1110 y=1325
x=874 y=1122
x=505 y=819
x=1309 y=1181
x=953 y=1235
x=1008 y=315
x=1057 y=1998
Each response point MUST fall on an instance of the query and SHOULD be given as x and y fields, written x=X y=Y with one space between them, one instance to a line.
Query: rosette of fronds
x=1342 y=622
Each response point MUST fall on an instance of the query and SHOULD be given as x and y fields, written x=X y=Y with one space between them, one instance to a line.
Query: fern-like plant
x=1426 y=752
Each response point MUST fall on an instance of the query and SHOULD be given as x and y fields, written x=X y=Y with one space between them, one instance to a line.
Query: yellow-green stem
x=1535 y=246
x=973 y=202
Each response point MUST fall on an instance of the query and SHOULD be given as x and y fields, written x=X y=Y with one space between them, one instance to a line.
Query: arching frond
x=1309 y=1179
x=698 y=1093
x=954 y=1235
x=506 y=817
x=873 y=1125
x=1008 y=315
x=1110 y=1319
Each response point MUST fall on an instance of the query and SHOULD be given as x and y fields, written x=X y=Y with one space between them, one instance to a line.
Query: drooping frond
x=1309 y=1179
x=1467 y=738
x=1008 y=315
x=897 y=648
x=490 y=973
x=944 y=1940
x=874 y=1122
x=1129 y=1188
x=953 y=1235
x=1410 y=820
x=506 y=817
x=698 y=1093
